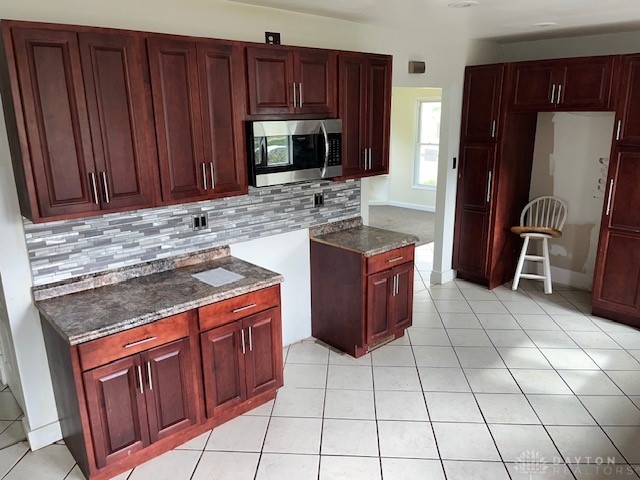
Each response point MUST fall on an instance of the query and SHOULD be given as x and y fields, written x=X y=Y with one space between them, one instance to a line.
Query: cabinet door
x=535 y=86
x=617 y=276
x=352 y=106
x=223 y=366
x=178 y=120
x=379 y=113
x=169 y=392
x=223 y=96
x=628 y=117
x=118 y=111
x=379 y=293
x=270 y=77
x=316 y=74
x=481 y=102
x=117 y=410
x=475 y=188
x=263 y=360
x=586 y=83
x=401 y=307
x=56 y=121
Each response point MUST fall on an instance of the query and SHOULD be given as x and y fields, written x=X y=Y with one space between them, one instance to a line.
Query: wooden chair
x=542 y=219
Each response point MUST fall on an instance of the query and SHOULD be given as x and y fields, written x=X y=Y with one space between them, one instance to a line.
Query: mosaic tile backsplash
x=71 y=248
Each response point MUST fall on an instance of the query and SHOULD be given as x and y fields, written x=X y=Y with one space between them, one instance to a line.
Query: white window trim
x=416 y=149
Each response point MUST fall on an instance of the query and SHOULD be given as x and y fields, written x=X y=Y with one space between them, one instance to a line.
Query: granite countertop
x=368 y=241
x=90 y=314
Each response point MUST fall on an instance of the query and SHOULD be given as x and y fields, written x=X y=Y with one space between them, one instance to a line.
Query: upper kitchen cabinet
x=573 y=84
x=78 y=123
x=628 y=111
x=365 y=109
x=119 y=118
x=285 y=80
x=480 y=120
x=198 y=97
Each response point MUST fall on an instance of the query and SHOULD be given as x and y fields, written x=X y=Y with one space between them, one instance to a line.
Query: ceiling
x=497 y=20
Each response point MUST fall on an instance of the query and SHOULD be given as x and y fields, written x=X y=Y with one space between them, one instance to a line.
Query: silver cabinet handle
x=553 y=94
x=246 y=307
x=204 y=176
x=139 y=342
x=489 y=178
x=213 y=181
x=140 y=379
x=250 y=339
x=619 y=130
x=609 y=200
x=366 y=162
x=243 y=347
x=493 y=129
x=395 y=259
x=103 y=176
x=94 y=187
x=395 y=284
x=300 y=92
x=559 y=94
x=294 y=96
x=149 y=375
x=370 y=164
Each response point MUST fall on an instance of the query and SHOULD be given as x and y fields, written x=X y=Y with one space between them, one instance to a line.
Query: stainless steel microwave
x=293 y=151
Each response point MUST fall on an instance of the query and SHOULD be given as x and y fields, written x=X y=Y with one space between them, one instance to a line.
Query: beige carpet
x=405 y=220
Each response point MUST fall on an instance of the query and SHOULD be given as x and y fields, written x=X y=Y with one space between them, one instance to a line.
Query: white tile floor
x=486 y=385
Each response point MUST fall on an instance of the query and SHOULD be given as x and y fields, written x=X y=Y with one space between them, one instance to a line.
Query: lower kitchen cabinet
x=241 y=360
x=128 y=397
x=359 y=303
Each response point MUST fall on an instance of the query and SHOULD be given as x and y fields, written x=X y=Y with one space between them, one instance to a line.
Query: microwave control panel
x=335 y=150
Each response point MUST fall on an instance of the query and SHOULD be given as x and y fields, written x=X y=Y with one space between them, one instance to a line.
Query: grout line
x=324 y=406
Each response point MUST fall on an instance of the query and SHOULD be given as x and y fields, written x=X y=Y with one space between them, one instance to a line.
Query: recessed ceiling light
x=544 y=24
x=463 y=3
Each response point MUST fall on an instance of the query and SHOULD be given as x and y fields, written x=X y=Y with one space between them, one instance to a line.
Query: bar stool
x=541 y=219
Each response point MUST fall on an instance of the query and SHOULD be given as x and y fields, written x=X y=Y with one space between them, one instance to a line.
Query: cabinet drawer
x=235 y=308
x=119 y=345
x=389 y=259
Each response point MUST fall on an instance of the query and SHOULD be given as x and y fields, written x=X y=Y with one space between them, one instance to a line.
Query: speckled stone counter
x=87 y=315
x=362 y=239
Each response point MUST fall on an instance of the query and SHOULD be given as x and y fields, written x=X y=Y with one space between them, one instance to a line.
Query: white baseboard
x=439 y=278
x=393 y=203
x=570 y=278
x=43 y=436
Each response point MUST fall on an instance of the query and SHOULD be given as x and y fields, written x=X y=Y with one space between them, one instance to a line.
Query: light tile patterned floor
x=486 y=385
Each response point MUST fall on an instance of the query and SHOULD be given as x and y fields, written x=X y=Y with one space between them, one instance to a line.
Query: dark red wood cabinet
x=364 y=106
x=480 y=118
x=573 y=84
x=627 y=126
x=473 y=209
x=86 y=121
x=359 y=303
x=241 y=360
x=139 y=400
x=130 y=396
x=285 y=80
x=616 y=286
x=198 y=95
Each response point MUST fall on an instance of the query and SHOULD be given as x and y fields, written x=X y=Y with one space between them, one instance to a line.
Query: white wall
x=446 y=53
x=570 y=161
x=605 y=44
x=287 y=254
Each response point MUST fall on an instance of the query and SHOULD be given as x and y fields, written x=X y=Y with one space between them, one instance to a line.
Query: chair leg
x=547 y=267
x=523 y=253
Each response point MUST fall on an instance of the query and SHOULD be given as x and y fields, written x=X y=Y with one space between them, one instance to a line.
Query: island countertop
x=86 y=315
x=368 y=241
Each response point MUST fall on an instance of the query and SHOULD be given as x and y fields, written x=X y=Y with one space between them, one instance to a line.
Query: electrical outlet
x=318 y=200
x=199 y=222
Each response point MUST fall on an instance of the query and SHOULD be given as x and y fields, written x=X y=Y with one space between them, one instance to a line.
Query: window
x=428 y=144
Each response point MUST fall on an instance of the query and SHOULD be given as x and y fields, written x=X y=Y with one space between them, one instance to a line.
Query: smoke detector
x=463 y=3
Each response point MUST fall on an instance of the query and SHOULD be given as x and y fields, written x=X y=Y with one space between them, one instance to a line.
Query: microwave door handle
x=263 y=151
x=326 y=148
